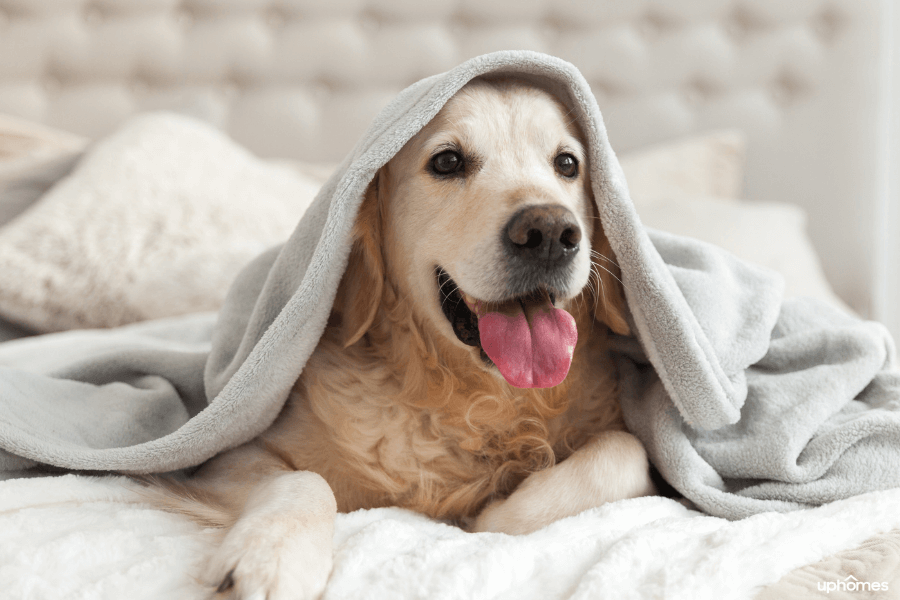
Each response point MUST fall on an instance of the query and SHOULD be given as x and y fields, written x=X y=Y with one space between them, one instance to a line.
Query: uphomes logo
x=852 y=584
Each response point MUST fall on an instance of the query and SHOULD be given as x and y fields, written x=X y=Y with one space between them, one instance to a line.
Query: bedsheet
x=83 y=537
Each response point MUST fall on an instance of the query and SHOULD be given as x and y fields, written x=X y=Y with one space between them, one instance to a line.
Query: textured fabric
x=90 y=538
x=181 y=208
x=873 y=567
x=744 y=405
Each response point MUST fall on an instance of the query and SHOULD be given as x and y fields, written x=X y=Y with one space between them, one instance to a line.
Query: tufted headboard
x=303 y=78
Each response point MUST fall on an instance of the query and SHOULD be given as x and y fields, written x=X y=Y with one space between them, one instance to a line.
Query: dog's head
x=485 y=223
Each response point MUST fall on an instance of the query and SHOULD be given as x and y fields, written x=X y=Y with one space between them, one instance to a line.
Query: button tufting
x=370 y=23
x=229 y=89
x=694 y=94
x=652 y=25
x=550 y=29
x=743 y=23
x=828 y=24
x=322 y=89
x=780 y=95
x=275 y=17
x=459 y=25
x=51 y=85
x=703 y=90
x=648 y=27
x=93 y=15
x=185 y=17
x=603 y=91
x=237 y=80
x=139 y=86
x=787 y=88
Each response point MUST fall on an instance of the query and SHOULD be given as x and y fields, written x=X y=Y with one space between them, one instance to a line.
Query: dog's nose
x=543 y=233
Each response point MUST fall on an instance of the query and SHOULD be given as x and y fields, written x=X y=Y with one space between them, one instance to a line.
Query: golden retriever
x=449 y=380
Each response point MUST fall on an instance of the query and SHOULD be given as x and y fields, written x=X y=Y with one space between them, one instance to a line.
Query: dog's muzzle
x=540 y=243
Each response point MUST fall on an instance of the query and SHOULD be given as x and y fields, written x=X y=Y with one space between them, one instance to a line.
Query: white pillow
x=771 y=234
x=711 y=164
x=155 y=221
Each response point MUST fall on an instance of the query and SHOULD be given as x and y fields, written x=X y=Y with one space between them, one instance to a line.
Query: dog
x=464 y=372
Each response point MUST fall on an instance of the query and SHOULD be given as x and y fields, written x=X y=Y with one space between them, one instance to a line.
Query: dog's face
x=491 y=156
x=487 y=218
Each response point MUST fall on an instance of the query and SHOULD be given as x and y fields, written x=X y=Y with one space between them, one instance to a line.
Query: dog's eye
x=566 y=165
x=447 y=162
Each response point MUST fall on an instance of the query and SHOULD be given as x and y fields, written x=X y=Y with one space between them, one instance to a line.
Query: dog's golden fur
x=469 y=436
x=391 y=409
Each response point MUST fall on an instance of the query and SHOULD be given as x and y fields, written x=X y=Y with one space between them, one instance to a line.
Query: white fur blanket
x=79 y=537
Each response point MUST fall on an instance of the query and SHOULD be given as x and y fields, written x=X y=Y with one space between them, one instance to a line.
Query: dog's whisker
x=596 y=254
x=600 y=290
x=611 y=273
x=583 y=302
x=441 y=288
x=447 y=297
x=568 y=114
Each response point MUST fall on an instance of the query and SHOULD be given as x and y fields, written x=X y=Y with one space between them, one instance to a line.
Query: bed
x=722 y=113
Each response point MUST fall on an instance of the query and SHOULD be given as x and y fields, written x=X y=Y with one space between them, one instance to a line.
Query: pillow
x=22 y=140
x=154 y=221
x=691 y=187
x=32 y=158
x=771 y=234
x=710 y=164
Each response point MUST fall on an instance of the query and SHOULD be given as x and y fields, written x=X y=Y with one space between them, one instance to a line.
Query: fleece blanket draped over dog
x=745 y=403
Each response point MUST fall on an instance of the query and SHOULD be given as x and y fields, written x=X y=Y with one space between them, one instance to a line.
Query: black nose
x=543 y=234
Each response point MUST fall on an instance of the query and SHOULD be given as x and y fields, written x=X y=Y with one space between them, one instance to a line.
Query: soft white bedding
x=79 y=537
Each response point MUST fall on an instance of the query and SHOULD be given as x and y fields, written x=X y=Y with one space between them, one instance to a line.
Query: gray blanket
x=745 y=403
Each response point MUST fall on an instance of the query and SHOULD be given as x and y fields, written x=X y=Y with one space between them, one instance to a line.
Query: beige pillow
x=771 y=234
x=32 y=158
x=157 y=219
x=22 y=141
x=710 y=164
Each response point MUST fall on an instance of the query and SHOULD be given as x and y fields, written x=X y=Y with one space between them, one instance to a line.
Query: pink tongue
x=532 y=350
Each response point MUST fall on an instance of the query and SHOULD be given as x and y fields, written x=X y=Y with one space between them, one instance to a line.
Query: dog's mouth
x=528 y=339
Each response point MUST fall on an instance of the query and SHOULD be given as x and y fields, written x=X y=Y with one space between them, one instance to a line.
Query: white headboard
x=303 y=78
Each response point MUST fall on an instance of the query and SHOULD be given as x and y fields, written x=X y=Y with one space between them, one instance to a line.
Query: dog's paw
x=278 y=550
x=266 y=565
x=611 y=467
x=518 y=515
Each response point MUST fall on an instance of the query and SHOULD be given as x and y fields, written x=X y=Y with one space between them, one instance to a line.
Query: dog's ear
x=360 y=291
x=609 y=294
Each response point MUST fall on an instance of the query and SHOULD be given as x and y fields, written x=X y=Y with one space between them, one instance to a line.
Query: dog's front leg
x=280 y=548
x=612 y=466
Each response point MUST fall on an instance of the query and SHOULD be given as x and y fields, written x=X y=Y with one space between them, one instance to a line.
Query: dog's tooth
x=471 y=302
